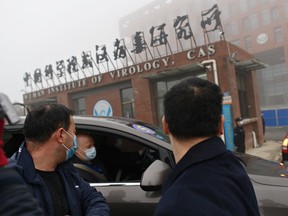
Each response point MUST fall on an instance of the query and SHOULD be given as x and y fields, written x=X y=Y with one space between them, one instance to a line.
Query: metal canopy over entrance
x=176 y=71
x=251 y=64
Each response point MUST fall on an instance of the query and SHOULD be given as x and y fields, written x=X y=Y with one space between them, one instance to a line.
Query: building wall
x=266 y=20
x=174 y=66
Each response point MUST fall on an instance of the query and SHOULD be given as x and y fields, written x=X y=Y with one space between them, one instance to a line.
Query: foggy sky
x=35 y=33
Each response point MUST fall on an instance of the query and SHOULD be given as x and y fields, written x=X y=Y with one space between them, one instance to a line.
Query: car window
x=119 y=159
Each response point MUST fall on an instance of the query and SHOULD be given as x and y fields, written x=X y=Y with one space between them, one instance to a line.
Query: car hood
x=269 y=180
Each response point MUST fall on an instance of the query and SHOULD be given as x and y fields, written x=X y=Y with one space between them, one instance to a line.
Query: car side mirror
x=154 y=176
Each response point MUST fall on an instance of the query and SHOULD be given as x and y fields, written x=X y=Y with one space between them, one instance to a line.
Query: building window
x=278 y=35
x=225 y=13
x=246 y=23
x=266 y=17
x=234 y=28
x=286 y=9
x=275 y=13
x=252 y=3
x=162 y=87
x=232 y=9
x=127 y=102
x=242 y=96
x=253 y=21
x=228 y=29
x=244 y=6
x=248 y=43
x=79 y=106
x=236 y=42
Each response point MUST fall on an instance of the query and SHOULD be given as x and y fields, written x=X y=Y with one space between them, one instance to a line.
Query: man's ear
x=59 y=135
x=165 y=125
x=221 y=126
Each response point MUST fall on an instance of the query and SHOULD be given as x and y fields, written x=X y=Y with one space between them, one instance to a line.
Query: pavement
x=270 y=150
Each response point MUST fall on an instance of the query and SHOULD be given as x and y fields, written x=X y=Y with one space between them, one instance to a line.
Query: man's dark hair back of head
x=193 y=108
x=42 y=122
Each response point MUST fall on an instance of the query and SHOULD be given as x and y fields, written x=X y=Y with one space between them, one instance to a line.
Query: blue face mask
x=70 y=152
x=90 y=154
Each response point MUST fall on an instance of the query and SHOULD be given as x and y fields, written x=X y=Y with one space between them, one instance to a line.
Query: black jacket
x=15 y=198
x=81 y=197
x=208 y=180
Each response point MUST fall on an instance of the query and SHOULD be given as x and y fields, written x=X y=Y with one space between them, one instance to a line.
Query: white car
x=128 y=147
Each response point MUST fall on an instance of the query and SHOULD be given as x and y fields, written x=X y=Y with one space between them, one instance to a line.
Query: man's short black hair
x=42 y=122
x=193 y=108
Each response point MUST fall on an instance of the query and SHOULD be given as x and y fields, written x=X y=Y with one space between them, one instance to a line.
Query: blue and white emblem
x=102 y=108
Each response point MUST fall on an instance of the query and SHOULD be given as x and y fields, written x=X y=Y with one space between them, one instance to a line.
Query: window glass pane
x=79 y=106
x=275 y=13
x=161 y=88
x=232 y=9
x=254 y=21
x=246 y=23
x=171 y=83
x=236 y=42
x=243 y=6
x=128 y=110
x=278 y=36
x=234 y=28
x=266 y=17
x=126 y=95
x=127 y=101
x=160 y=109
x=248 y=43
x=242 y=96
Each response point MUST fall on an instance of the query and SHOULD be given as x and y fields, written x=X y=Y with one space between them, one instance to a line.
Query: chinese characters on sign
x=70 y=68
x=211 y=18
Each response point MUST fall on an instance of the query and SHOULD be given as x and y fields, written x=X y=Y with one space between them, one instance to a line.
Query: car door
x=122 y=189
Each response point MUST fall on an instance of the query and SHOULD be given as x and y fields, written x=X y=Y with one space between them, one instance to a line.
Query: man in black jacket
x=207 y=179
x=239 y=136
x=43 y=160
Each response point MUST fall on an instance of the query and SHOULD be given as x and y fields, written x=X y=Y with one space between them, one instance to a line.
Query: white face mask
x=90 y=154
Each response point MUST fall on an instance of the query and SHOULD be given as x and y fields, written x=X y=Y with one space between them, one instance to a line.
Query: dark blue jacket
x=81 y=198
x=208 y=180
x=15 y=199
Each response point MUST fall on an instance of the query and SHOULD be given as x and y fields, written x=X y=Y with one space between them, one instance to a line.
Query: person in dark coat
x=44 y=162
x=207 y=179
x=15 y=197
x=263 y=124
x=239 y=136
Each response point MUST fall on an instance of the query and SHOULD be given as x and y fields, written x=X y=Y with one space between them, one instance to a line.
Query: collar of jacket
x=199 y=153
x=24 y=164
